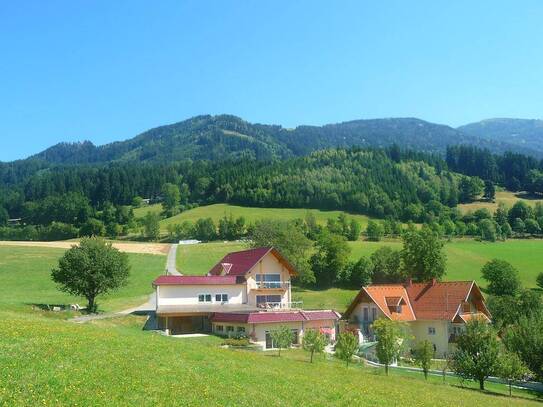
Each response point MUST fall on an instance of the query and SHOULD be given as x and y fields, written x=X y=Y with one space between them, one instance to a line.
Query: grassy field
x=198 y=259
x=114 y=363
x=251 y=215
x=45 y=360
x=508 y=198
x=465 y=257
x=25 y=279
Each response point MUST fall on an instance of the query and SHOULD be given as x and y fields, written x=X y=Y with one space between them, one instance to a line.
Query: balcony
x=278 y=306
x=272 y=285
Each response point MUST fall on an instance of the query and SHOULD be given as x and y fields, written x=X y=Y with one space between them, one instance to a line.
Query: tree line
x=375 y=182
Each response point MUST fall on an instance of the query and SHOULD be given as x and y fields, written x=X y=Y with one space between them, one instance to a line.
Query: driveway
x=171 y=267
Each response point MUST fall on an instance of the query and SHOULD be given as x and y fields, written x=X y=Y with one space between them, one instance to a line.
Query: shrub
x=242 y=341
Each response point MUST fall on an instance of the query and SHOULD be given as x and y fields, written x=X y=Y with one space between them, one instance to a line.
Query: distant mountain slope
x=228 y=137
x=519 y=132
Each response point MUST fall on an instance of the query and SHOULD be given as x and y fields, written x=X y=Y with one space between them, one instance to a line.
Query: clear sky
x=108 y=70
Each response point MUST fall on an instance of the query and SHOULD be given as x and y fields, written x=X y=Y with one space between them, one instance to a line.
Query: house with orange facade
x=436 y=311
x=246 y=293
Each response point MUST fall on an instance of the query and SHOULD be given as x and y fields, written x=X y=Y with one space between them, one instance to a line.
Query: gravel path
x=171 y=267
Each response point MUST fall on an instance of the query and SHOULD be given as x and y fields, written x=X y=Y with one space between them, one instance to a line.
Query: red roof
x=274 y=317
x=196 y=280
x=432 y=300
x=320 y=315
x=240 y=263
x=440 y=300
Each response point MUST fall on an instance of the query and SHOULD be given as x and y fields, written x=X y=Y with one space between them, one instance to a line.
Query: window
x=373 y=314
x=269 y=341
x=221 y=297
x=240 y=329
x=431 y=330
x=466 y=308
x=204 y=297
x=262 y=299
x=268 y=280
x=219 y=328
x=399 y=309
x=229 y=329
x=295 y=337
x=365 y=317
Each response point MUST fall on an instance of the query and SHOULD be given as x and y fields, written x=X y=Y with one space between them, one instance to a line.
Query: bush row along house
x=249 y=293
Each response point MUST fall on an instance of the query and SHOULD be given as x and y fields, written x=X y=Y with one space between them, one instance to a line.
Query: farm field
x=25 y=279
x=128 y=247
x=251 y=215
x=508 y=198
x=114 y=363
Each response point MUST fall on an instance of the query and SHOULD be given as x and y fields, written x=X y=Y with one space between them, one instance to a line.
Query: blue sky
x=108 y=70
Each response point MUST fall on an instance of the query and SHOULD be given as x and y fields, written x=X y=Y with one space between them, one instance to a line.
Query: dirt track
x=145 y=248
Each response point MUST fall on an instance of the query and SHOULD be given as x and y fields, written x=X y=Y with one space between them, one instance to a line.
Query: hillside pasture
x=507 y=197
x=25 y=279
x=251 y=214
x=115 y=363
x=466 y=257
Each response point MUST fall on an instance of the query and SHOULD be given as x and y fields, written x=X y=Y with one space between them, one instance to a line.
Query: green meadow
x=46 y=360
x=51 y=362
x=466 y=257
x=251 y=215
x=25 y=279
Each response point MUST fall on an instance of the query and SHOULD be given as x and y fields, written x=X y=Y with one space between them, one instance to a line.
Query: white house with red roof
x=436 y=311
x=246 y=292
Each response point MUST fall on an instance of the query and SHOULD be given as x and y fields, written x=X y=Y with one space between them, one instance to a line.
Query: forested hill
x=520 y=132
x=376 y=182
x=226 y=137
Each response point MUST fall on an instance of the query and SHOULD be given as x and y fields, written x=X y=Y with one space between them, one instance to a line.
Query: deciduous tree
x=282 y=338
x=390 y=336
x=422 y=255
x=313 y=342
x=347 y=346
x=477 y=352
x=502 y=277
x=93 y=268
x=423 y=353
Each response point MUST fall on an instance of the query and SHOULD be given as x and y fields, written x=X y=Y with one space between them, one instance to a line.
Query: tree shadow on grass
x=537 y=396
x=528 y=196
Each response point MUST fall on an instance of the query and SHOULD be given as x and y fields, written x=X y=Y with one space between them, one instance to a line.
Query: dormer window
x=466 y=307
x=226 y=267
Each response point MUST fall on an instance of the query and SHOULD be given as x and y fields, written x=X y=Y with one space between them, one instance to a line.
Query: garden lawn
x=25 y=279
x=113 y=363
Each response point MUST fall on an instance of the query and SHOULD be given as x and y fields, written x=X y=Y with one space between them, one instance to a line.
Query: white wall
x=258 y=331
x=268 y=265
x=188 y=294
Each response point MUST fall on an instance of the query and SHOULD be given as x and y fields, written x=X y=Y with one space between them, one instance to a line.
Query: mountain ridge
x=226 y=136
